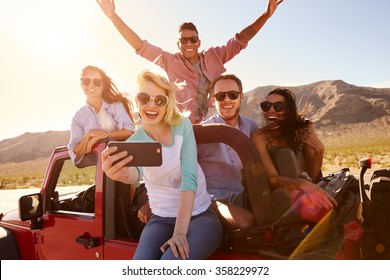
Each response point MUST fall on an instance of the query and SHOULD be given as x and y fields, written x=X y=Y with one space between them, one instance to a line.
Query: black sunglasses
x=220 y=96
x=160 y=100
x=279 y=106
x=193 y=39
x=87 y=81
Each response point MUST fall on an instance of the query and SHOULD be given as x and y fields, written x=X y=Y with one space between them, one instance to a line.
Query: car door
x=72 y=218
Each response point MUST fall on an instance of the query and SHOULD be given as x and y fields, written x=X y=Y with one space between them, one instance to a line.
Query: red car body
x=66 y=229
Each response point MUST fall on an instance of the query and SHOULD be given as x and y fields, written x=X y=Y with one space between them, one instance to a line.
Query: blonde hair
x=172 y=116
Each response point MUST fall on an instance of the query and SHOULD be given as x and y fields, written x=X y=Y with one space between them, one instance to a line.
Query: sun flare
x=59 y=35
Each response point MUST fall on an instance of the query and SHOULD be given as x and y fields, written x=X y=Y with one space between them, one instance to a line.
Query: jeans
x=204 y=237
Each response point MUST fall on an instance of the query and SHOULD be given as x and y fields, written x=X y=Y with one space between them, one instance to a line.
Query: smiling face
x=272 y=117
x=189 y=49
x=228 y=109
x=92 y=85
x=150 y=113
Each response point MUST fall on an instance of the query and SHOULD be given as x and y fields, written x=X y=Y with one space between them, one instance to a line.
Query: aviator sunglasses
x=278 y=106
x=160 y=100
x=87 y=81
x=193 y=40
x=220 y=96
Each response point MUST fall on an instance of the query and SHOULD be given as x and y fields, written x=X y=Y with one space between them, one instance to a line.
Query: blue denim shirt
x=221 y=164
x=87 y=119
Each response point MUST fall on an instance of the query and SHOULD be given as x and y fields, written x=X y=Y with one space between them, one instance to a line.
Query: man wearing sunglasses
x=220 y=163
x=189 y=65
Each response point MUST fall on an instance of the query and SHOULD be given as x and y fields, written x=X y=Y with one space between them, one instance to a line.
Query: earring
x=137 y=118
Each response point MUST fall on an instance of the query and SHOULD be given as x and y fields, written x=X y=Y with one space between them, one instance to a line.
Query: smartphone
x=144 y=153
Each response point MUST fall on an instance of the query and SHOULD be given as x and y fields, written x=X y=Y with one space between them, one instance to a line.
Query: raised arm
x=108 y=7
x=251 y=30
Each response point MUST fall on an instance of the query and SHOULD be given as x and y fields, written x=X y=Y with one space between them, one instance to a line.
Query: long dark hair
x=290 y=128
x=111 y=93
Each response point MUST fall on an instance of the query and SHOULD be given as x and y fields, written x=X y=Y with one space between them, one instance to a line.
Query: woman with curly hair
x=292 y=155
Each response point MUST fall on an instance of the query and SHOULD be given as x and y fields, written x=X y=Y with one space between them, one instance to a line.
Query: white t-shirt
x=105 y=121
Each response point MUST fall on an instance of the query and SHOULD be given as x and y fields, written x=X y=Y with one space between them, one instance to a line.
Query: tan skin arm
x=245 y=35
x=121 y=134
x=108 y=7
x=82 y=148
x=118 y=171
x=313 y=152
x=145 y=213
x=251 y=30
x=93 y=136
x=317 y=195
x=274 y=179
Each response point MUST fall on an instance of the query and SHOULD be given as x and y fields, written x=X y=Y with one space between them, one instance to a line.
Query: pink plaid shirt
x=179 y=69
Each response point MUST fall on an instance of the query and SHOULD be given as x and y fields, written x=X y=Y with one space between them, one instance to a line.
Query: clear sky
x=45 y=43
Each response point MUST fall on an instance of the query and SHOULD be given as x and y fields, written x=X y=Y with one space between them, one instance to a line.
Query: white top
x=179 y=171
x=105 y=121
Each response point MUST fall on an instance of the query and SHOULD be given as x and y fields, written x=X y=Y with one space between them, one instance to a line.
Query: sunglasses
x=220 y=96
x=87 y=81
x=160 y=100
x=193 y=40
x=278 y=106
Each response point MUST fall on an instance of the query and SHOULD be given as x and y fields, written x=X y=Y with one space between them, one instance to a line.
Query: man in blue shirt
x=220 y=163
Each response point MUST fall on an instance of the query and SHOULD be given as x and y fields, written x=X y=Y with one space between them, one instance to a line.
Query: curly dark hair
x=294 y=122
x=189 y=26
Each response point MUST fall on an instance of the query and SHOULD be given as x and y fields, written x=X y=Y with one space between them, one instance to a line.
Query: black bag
x=290 y=236
x=294 y=238
x=379 y=196
x=338 y=183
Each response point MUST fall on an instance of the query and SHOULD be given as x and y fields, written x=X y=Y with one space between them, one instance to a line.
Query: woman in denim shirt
x=107 y=114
